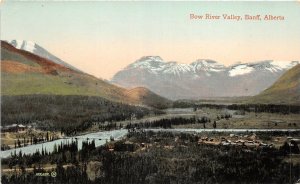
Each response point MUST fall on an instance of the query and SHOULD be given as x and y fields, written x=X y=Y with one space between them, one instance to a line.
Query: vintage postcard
x=150 y=92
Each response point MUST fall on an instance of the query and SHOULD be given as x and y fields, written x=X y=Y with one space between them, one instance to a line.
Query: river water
x=100 y=139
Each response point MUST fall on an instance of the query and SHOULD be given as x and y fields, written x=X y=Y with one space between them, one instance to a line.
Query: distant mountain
x=25 y=73
x=38 y=50
x=286 y=90
x=202 y=78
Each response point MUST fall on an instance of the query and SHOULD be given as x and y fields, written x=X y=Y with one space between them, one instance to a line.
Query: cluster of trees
x=193 y=163
x=292 y=124
x=109 y=126
x=62 y=153
x=4 y=147
x=186 y=162
x=224 y=116
x=34 y=139
x=23 y=161
x=270 y=108
x=168 y=123
x=291 y=147
x=87 y=149
x=66 y=113
x=69 y=175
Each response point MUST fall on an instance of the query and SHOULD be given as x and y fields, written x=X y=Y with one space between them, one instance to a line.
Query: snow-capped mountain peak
x=207 y=66
x=23 y=45
x=149 y=59
x=176 y=68
x=151 y=63
x=34 y=48
x=156 y=65
x=262 y=66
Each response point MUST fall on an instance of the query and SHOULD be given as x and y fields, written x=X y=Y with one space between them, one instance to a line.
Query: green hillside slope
x=23 y=73
x=286 y=90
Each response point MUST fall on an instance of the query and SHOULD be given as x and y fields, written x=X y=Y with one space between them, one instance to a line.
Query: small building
x=14 y=128
x=21 y=127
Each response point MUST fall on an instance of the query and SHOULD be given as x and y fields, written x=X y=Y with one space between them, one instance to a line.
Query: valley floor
x=146 y=156
x=237 y=119
x=165 y=157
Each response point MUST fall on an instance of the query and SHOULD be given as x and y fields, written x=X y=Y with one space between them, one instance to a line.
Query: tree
x=215 y=124
x=285 y=148
x=19 y=143
x=20 y=154
x=55 y=148
x=47 y=136
x=295 y=148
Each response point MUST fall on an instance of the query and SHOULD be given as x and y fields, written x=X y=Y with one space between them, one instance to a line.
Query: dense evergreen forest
x=67 y=113
x=270 y=108
x=169 y=123
x=148 y=157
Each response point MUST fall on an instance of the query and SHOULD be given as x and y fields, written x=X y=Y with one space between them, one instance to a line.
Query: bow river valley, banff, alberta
x=150 y=92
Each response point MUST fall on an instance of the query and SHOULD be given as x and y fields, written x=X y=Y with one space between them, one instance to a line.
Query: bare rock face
x=94 y=170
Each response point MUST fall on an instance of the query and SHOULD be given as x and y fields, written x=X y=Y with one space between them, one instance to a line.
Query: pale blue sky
x=103 y=37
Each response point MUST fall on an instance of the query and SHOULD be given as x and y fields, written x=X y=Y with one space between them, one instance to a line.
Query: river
x=99 y=137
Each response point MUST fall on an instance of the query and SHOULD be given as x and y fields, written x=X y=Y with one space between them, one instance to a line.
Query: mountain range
x=202 y=78
x=27 y=68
